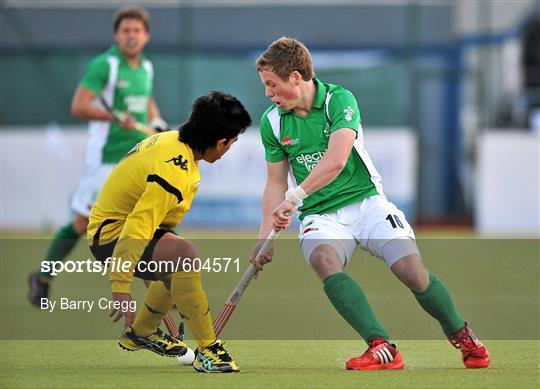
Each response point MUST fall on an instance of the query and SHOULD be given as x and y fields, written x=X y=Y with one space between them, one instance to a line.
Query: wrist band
x=296 y=195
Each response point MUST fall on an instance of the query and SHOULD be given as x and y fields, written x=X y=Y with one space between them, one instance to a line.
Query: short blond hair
x=286 y=55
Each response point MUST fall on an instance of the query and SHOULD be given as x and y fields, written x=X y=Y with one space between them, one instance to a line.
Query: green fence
x=37 y=87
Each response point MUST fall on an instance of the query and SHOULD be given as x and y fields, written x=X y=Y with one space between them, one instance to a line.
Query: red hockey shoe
x=473 y=353
x=380 y=355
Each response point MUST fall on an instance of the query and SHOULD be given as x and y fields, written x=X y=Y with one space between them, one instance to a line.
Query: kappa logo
x=289 y=141
x=179 y=161
x=348 y=113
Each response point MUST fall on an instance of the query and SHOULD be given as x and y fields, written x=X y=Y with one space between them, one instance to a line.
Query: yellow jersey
x=152 y=187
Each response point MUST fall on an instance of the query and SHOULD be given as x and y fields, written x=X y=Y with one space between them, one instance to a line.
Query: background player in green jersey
x=122 y=77
x=313 y=131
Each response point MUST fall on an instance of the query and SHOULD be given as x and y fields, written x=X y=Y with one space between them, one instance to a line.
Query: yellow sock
x=192 y=303
x=157 y=303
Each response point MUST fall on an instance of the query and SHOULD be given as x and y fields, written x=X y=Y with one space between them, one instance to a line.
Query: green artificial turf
x=284 y=333
x=264 y=364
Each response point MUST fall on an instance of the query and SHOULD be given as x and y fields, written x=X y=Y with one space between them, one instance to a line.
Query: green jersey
x=124 y=88
x=304 y=140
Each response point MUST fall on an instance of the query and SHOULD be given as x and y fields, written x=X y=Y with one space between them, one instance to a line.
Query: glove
x=159 y=125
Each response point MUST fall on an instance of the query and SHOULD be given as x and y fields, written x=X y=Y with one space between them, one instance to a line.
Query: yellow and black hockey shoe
x=158 y=342
x=214 y=359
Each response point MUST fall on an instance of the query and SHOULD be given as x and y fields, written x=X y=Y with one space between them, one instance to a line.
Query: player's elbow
x=337 y=166
x=76 y=110
x=277 y=182
x=275 y=188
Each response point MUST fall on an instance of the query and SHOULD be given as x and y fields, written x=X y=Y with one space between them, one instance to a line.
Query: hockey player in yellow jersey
x=146 y=195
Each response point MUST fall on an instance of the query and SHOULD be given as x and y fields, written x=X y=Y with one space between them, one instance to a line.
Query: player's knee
x=190 y=252
x=187 y=254
x=325 y=262
x=412 y=273
x=418 y=282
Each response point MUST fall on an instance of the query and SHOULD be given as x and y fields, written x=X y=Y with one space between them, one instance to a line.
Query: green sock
x=437 y=302
x=349 y=300
x=63 y=242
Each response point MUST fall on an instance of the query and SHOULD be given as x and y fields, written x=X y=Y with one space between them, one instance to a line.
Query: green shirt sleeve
x=343 y=111
x=273 y=152
x=96 y=75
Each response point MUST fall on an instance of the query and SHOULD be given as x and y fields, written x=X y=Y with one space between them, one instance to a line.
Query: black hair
x=214 y=116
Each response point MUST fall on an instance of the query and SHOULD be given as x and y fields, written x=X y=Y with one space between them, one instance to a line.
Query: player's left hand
x=123 y=301
x=263 y=258
x=282 y=215
x=159 y=125
x=128 y=122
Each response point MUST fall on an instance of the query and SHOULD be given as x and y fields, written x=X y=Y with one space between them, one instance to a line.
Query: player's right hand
x=282 y=215
x=123 y=302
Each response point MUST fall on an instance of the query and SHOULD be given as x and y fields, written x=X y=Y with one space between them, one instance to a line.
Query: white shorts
x=89 y=187
x=374 y=223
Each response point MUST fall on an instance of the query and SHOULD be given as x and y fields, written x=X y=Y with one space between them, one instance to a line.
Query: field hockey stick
x=121 y=116
x=174 y=331
x=231 y=303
